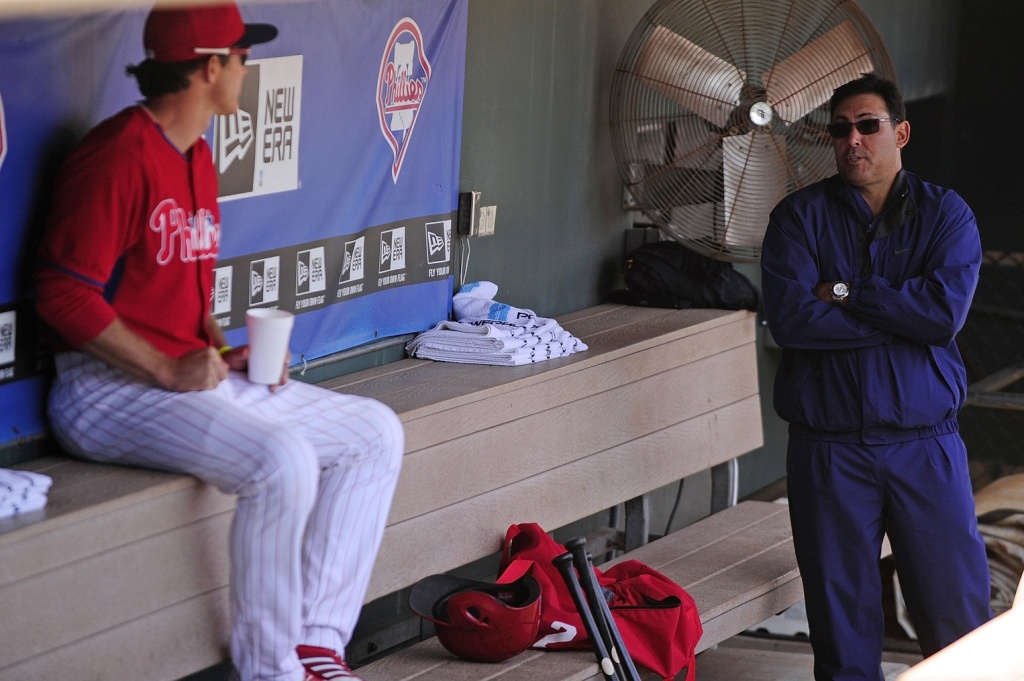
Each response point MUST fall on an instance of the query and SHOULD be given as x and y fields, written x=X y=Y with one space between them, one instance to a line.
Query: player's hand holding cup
x=269 y=333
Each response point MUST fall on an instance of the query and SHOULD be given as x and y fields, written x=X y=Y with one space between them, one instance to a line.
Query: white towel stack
x=22 y=492
x=493 y=333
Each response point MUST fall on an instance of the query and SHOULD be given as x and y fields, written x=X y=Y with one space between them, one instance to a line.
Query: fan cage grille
x=685 y=143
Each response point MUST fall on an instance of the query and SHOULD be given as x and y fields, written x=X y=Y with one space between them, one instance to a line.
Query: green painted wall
x=536 y=144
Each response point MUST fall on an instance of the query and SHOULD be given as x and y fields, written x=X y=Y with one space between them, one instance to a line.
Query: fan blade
x=695 y=146
x=805 y=80
x=755 y=179
x=688 y=168
x=690 y=75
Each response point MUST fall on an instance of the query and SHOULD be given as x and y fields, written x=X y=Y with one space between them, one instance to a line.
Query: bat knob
x=576 y=543
x=562 y=560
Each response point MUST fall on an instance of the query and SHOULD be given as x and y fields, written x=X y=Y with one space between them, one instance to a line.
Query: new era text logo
x=392 y=249
x=7 y=337
x=352 y=268
x=264 y=280
x=221 y=290
x=279 y=124
x=309 y=271
x=256 y=150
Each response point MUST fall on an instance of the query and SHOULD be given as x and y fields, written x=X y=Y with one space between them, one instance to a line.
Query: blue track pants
x=843 y=498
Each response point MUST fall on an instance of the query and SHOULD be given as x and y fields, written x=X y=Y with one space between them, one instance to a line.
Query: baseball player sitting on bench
x=145 y=378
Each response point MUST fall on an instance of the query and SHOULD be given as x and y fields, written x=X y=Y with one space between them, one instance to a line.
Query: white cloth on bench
x=22 y=492
x=488 y=332
x=476 y=301
x=500 y=343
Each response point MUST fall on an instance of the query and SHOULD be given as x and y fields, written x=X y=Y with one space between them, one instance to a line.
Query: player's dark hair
x=870 y=84
x=164 y=78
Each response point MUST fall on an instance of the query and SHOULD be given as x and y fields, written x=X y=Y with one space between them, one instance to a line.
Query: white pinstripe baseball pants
x=314 y=472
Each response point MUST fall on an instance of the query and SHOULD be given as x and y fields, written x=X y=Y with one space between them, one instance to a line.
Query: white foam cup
x=269 y=332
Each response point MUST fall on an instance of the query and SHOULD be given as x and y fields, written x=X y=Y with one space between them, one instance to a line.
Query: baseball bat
x=568 y=572
x=602 y=613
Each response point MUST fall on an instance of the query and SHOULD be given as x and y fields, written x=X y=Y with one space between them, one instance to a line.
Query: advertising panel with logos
x=338 y=174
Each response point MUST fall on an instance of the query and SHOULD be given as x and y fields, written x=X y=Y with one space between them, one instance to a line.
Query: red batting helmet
x=480 y=621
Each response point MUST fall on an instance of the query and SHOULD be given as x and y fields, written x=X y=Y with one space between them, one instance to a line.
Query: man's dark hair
x=164 y=78
x=870 y=84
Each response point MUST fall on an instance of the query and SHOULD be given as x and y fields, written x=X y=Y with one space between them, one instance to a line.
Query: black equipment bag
x=667 y=274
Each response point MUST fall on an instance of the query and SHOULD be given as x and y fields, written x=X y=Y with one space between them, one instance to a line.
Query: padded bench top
x=416 y=387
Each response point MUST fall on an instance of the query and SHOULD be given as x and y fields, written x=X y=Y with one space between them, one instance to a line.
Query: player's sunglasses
x=865 y=126
x=242 y=52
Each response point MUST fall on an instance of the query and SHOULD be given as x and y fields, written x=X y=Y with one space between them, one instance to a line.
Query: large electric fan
x=719 y=108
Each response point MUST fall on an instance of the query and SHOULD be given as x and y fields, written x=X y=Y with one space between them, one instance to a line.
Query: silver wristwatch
x=840 y=290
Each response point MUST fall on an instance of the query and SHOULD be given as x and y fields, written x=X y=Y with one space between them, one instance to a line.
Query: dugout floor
x=772 y=659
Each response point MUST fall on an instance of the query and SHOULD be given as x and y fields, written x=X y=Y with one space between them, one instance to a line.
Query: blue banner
x=338 y=175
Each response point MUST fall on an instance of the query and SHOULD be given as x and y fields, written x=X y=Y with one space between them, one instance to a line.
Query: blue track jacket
x=884 y=368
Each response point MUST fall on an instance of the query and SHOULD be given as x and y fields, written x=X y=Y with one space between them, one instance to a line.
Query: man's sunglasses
x=865 y=126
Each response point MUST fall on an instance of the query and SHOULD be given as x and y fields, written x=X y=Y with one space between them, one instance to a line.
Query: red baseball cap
x=178 y=33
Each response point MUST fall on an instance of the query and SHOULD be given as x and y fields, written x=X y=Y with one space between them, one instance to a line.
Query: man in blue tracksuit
x=867 y=277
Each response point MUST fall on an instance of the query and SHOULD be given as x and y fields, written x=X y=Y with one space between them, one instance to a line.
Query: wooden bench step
x=89 y=574
x=737 y=564
x=92 y=508
x=733 y=664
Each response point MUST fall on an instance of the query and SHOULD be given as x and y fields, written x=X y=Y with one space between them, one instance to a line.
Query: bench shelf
x=122 y=553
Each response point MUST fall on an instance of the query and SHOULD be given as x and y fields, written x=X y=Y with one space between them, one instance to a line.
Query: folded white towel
x=495 y=342
x=11 y=506
x=515 y=358
x=488 y=332
x=529 y=347
x=22 y=492
x=13 y=480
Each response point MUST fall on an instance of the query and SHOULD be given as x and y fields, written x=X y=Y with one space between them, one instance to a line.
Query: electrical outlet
x=485 y=221
x=474 y=219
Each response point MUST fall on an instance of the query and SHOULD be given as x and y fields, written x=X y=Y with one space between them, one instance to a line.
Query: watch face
x=840 y=289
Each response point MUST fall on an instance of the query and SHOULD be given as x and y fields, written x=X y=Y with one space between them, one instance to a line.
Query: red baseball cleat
x=323 y=664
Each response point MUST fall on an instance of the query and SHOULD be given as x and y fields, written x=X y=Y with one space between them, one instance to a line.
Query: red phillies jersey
x=134 y=233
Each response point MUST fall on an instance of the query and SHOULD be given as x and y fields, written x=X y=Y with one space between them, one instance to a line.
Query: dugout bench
x=126 y=563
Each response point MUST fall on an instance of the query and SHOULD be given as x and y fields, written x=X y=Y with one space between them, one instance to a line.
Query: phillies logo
x=3 y=134
x=192 y=237
x=401 y=86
